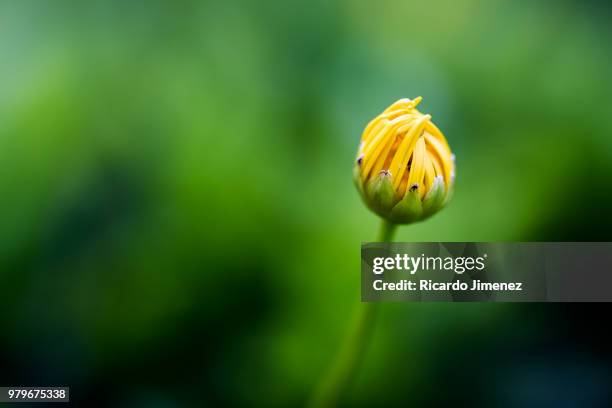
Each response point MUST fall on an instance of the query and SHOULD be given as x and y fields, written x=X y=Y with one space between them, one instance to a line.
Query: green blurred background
x=179 y=224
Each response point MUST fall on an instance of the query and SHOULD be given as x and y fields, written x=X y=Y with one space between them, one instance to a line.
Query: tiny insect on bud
x=405 y=169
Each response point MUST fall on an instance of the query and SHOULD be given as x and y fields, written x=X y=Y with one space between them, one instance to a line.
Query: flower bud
x=404 y=169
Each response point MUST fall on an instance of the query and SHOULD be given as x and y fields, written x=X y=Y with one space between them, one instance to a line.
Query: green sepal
x=357 y=179
x=380 y=192
x=435 y=197
x=409 y=209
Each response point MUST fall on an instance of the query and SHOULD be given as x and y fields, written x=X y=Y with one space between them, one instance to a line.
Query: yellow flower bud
x=404 y=170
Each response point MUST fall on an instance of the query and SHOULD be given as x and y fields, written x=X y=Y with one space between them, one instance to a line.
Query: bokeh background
x=179 y=225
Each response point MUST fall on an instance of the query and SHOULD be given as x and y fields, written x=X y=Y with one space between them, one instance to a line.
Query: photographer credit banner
x=487 y=272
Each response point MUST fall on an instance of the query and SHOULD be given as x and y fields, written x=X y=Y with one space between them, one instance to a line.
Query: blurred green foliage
x=178 y=217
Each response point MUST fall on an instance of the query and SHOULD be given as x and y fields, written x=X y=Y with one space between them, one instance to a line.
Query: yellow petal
x=430 y=173
x=384 y=156
x=380 y=152
x=373 y=130
x=434 y=131
x=444 y=155
x=383 y=143
x=400 y=159
x=417 y=168
x=407 y=125
x=400 y=103
x=433 y=156
x=369 y=127
x=401 y=106
x=395 y=113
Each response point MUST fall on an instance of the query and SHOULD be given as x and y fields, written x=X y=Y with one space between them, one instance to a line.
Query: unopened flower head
x=404 y=169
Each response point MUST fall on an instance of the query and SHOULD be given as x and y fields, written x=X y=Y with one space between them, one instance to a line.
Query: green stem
x=341 y=373
x=386 y=231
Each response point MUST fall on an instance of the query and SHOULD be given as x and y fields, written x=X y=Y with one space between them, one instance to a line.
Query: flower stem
x=387 y=230
x=341 y=373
